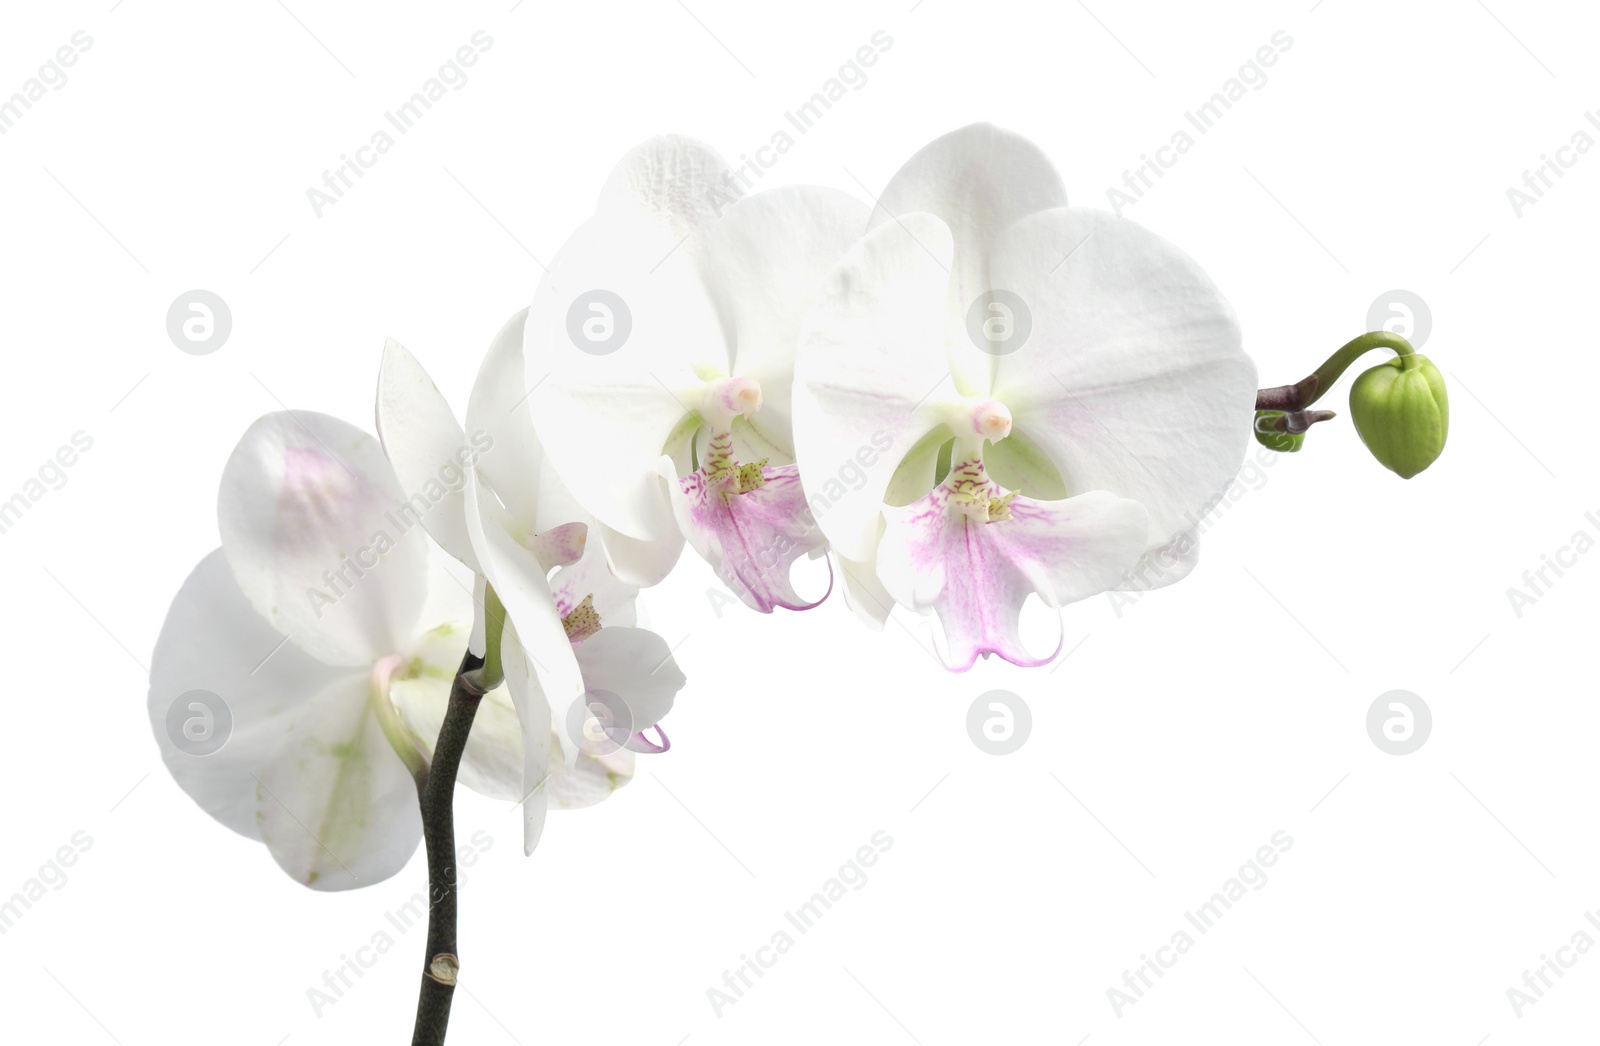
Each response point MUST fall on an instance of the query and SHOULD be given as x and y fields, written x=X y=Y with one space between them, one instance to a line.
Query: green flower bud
x=1275 y=439
x=1402 y=413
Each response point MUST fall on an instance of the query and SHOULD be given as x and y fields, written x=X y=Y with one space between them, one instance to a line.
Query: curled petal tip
x=639 y=742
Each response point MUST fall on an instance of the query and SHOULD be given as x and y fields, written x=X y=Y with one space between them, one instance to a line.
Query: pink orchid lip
x=751 y=522
x=991 y=637
x=642 y=744
x=1021 y=660
x=820 y=599
x=973 y=553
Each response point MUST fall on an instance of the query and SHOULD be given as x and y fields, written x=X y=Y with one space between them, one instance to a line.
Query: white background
x=1174 y=741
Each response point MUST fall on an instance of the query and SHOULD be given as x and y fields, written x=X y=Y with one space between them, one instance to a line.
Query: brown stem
x=1306 y=391
x=437 y=793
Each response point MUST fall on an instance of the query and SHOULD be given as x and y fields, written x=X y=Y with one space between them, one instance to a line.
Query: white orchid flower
x=590 y=686
x=659 y=350
x=1069 y=389
x=271 y=681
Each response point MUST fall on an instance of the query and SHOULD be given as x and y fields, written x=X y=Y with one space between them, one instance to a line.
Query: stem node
x=443 y=968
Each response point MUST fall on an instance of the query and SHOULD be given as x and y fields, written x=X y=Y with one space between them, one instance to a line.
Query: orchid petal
x=1134 y=379
x=336 y=806
x=214 y=643
x=492 y=762
x=869 y=359
x=528 y=696
x=520 y=473
x=633 y=664
x=978 y=180
x=308 y=514
x=451 y=605
x=1017 y=463
x=427 y=448
x=617 y=330
x=516 y=469
x=478 y=641
x=864 y=594
x=977 y=575
x=765 y=261
x=519 y=579
x=1166 y=565
x=643 y=745
x=672 y=181
x=597 y=771
x=640 y=563
x=917 y=472
x=750 y=442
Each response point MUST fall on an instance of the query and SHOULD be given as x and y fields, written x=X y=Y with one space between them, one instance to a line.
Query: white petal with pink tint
x=1134 y=379
x=871 y=358
x=306 y=509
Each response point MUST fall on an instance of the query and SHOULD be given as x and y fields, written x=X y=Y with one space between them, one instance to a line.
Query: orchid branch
x=476 y=677
x=438 y=834
x=1308 y=390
